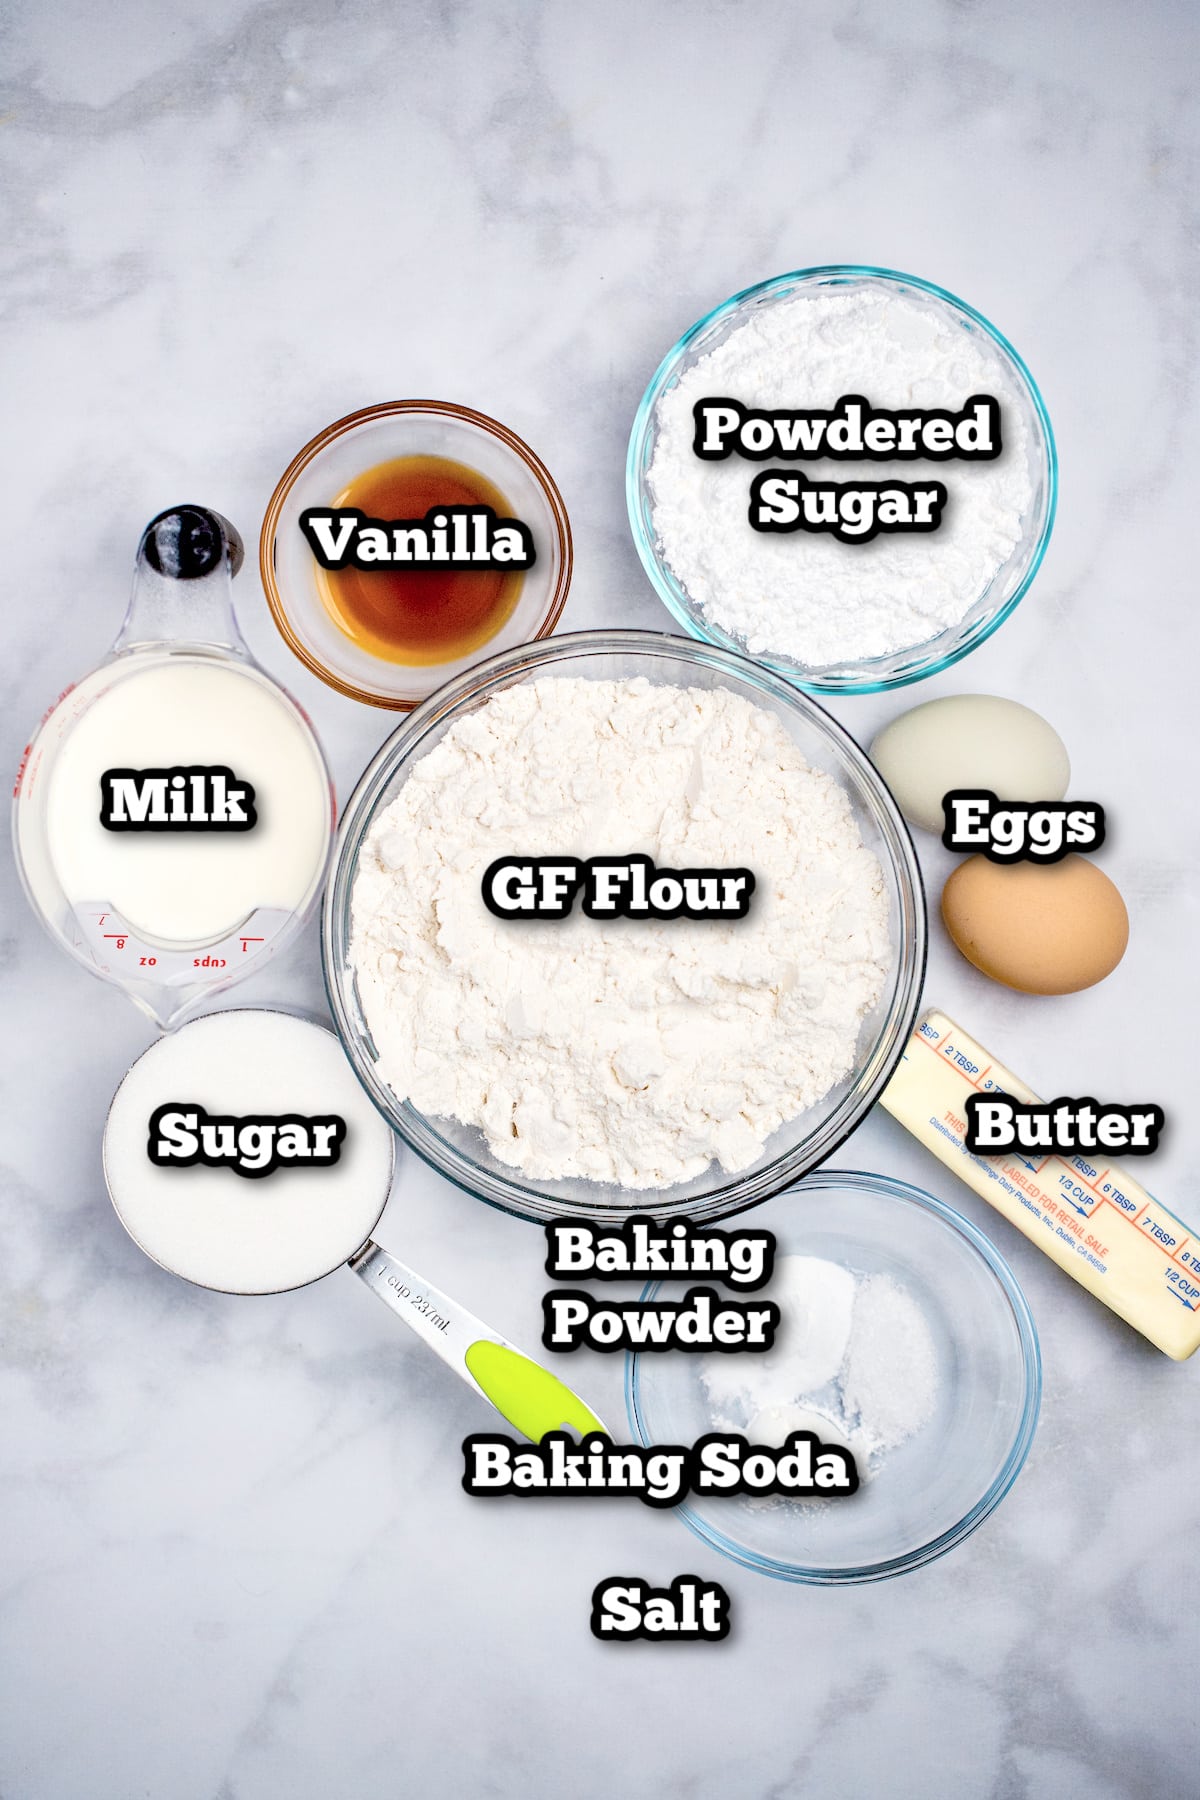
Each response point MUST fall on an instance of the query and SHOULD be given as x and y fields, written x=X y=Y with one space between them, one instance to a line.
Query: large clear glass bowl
x=461 y=1152
x=1007 y=585
x=936 y=1488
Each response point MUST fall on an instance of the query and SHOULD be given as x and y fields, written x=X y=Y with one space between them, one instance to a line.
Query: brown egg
x=1049 y=928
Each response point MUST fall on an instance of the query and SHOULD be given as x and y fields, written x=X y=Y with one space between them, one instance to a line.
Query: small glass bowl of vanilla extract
x=391 y=633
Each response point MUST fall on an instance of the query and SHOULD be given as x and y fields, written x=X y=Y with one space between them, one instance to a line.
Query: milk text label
x=198 y=797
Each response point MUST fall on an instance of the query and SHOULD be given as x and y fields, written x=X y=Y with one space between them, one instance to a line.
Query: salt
x=889 y=1381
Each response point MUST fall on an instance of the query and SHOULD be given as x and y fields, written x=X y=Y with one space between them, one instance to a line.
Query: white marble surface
x=236 y=1560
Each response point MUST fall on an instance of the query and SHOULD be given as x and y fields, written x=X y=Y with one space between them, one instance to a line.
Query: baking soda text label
x=200 y=797
x=662 y=1475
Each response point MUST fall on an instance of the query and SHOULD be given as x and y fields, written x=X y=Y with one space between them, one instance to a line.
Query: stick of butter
x=1097 y=1222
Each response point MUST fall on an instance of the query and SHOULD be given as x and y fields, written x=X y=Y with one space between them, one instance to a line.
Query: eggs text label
x=721 y=1462
x=1009 y=831
x=1063 y=1127
x=253 y=1145
x=613 y=887
x=625 y=1607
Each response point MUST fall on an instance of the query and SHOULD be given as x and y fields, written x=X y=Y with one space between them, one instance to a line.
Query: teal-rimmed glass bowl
x=1009 y=582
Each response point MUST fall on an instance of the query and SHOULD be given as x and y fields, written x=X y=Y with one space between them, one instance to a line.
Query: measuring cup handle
x=447 y=1328
x=528 y=1396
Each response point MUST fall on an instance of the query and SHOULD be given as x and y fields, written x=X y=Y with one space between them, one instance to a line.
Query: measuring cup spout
x=163 y=1006
x=183 y=582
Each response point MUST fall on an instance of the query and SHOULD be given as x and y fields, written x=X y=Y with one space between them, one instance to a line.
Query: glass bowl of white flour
x=903 y=1337
x=834 y=614
x=602 y=1066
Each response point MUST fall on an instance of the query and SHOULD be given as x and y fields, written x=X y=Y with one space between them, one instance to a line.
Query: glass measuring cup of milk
x=173 y=814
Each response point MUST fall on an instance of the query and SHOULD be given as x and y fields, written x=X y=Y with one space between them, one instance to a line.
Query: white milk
x=215 y=1226
x=190 y=887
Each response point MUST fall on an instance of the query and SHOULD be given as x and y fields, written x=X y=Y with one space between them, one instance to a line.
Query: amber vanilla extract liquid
x=420 y=615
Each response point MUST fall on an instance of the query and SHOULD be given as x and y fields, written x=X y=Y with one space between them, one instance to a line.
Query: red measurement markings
x=951 y=1064
x=1076 y=1175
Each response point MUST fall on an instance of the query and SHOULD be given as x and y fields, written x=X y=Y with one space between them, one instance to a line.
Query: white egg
x=969 y=741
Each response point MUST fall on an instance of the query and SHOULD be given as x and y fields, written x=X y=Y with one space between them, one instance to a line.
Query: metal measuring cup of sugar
x=242 y=1154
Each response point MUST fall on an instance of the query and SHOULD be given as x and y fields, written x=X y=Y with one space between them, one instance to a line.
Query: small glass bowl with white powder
x=603 y=1067
x=903 y=1337
x=835 y=616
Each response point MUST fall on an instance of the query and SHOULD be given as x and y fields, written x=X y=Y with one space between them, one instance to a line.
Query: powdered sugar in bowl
x=836 y=613
x=439 y=1003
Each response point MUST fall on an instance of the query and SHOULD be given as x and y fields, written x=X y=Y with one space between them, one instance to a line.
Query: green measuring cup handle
x=532 y=1399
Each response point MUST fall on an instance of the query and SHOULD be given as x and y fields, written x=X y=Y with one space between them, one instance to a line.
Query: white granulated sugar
x=854 y=1361
x=890 y=1380
x=807 y=596
x=629 y=1051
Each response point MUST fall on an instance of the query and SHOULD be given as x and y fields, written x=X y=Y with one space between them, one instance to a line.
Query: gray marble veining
x=236 y=1562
